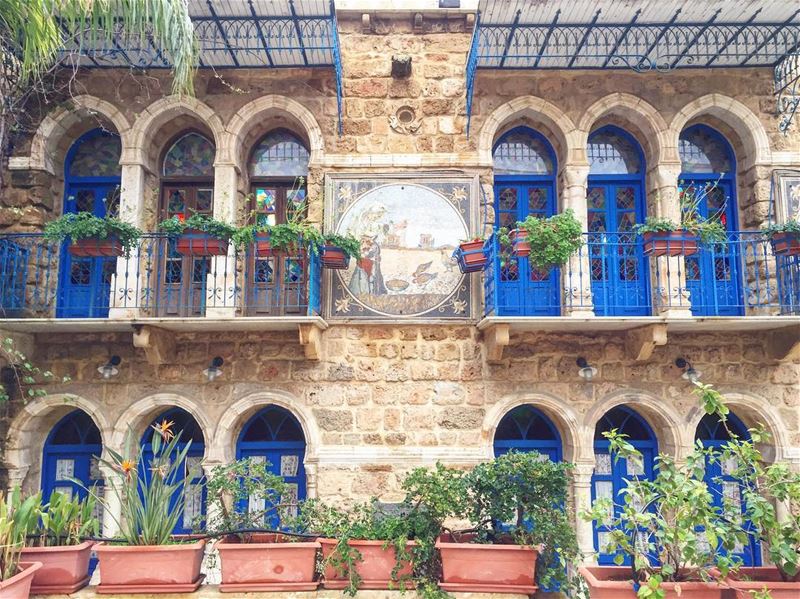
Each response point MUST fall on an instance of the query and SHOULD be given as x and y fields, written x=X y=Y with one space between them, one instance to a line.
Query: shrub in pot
x=472 y=255
x=93 y=236
x=256 y=561
x=15 y=575
x=56 y=537
x=547 y=242
x=198 y=235
x=784 y=237
x=148 y=558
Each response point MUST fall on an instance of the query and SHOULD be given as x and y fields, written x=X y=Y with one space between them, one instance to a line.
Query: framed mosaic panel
x=786 y=188
x=409 y=226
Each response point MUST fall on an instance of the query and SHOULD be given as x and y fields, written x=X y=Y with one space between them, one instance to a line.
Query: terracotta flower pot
x=267 y=562
x=785 y=244
x=334 y=257
x=471 y=256
x=479 y=568
x=670 y=243
x=150 y=568
x=19 y=585
x=375 y=567
x=64 y=569
x=262 y=246
x=755 y=579
x=95 y=247
x=520 y=246
x=194 y=242
x=614 y=582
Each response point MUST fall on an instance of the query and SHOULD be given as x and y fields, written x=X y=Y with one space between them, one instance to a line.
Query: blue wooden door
x=619 y=272
x=714 y=275
x=274 y=436
x=71 y=451
x=524 y=290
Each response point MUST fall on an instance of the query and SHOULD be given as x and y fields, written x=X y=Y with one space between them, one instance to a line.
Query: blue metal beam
x=774 y=34
x=510 y=37
x=695 y=38
x=662 y=33
x=584 y=38
x=222 y=33
x=297 y=30
x=337 y=63
x=547 y=38
x=624 y=35
x=260 y=33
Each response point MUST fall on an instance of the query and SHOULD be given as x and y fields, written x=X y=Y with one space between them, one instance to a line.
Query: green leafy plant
x=656 y=224
x=26 y=376
x=283 y=237
x=175 y=226
x=13 y=530
x=150 y=491
x=63 y=520
x=85 y=225
x=554 y=239
x=791 y=227
x=349 y=244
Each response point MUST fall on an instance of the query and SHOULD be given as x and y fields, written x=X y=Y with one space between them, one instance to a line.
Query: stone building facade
x=376 y=398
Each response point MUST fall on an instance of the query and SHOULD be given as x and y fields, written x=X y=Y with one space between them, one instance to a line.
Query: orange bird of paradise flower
x=165 y=429
x=160 y=470
x=127 y=467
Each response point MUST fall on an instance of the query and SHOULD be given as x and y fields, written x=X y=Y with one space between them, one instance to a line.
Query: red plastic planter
x=670 y=243
x=263 y=247
x=150 y=568
x=520 y=246
x=19 y=585
x=197 y=243
x=267 y=562
x=758 y=578
x=613 y=582
x=95 y=247
x=374 y=568
x=785 y=244
x=64 y=569
x=478 y=568
x=471 y=256
x=334 y=257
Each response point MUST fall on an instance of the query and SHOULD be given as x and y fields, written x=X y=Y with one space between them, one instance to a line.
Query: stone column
x=126 y=284
x=576 y=274
x=16 y=477
x=760 y=266
x=112 y=512
x=221 y=281
x=582 y=490
x=671 y=296
x=211 y=564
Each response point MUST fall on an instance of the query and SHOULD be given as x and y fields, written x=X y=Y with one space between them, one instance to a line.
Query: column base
x=676 y=313
x=225 y=312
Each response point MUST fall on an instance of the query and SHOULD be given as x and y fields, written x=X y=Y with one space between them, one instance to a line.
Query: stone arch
x=560 y=414
x=139 y=415
x=144 y=149
x=752 y=410
x=667 y=425
x=637 y=117
x=29 y=430
x=753 y=146
x=233 y=420
x=64 y=125
x=533 y=111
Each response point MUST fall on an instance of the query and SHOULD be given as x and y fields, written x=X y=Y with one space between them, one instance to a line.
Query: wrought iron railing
x=38 y=278
x=612 y=276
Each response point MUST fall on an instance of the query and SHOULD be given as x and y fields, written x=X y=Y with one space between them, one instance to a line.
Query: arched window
x=612 y=151
x=191 y=155
x=190 y=472
x=275 y=436
x=524 y=185
x=94 y=155
x=610 y=475
x=280 y=153
x=703 y=150
x=71 y=451
x=526 y=428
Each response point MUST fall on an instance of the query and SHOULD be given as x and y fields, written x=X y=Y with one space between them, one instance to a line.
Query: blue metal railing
x=37 y=280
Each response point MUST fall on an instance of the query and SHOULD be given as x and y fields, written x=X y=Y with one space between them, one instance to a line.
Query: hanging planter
x=262 y=245
x=198 y=235
x=197 y=243
x=670 y=243
x=93 y=236
x=95 y=247
x=471 y=256
x=520 y=246
x=784 y=242
x=334 y=257
x=336 y=250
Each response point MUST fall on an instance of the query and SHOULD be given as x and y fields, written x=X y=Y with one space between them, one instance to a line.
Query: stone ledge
x=212 y=591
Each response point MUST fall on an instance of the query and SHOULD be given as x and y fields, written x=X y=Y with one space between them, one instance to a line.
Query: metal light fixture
x=587 y=371
x=109 y=369
x=214 y=369
x=690 y=373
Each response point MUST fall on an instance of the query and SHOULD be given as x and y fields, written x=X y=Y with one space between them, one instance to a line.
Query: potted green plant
x=148 y=558
x=336 y=250
x=250 y=560
x=785 y=238
x=57 y=534
x=516 y=509
x=199 y=235
x=547 y=242
x=93 y=236
x=15 y=576
x=472 y=255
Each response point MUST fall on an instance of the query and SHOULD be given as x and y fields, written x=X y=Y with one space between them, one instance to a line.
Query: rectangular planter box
x=94 y=247
x=267 y=563
x=614 y=582
x=198 y=243
x=471 y=256
x=758 y=578
x=675 y=243
x=19 y=585
x=334 y=258
x=785 y=244
x=150 y=568
x=374 y=568
x=64 y=569
x=520 y=246
x=479 y=568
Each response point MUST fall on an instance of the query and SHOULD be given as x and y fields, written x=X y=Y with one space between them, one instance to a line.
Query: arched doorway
x=525 y=428
x=524 y=185
x=708 y=174
x=275 y=436
x=71 y=451
x=615 y=202
x=91 y=184
x=191 y=470
x=724 y=488
x=608 y=479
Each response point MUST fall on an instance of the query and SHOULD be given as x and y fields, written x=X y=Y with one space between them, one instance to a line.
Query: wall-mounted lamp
x=214 y=369
x=109 y=369
x=587 y=371
x=689 y=372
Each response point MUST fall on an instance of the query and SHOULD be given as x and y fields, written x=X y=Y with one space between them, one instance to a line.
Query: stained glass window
x=611 y=152
x=192 y=155
x=626 y=422
x=96 y=155
x=703 y=150
x=279 y=154
x=522 y=152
